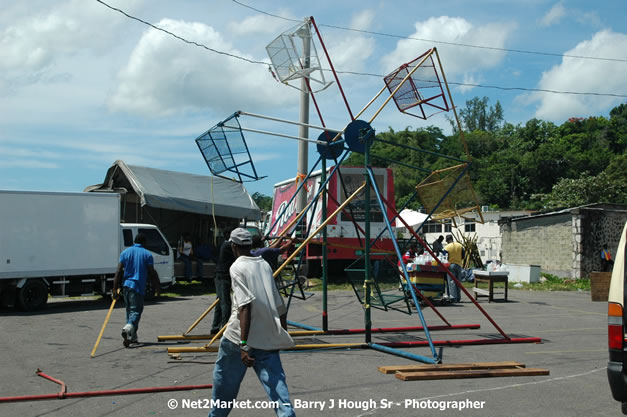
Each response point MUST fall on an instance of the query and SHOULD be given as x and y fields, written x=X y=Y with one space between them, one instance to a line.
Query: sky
x=82 y=85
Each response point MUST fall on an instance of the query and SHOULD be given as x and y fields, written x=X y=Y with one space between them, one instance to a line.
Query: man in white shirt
x=256 y=331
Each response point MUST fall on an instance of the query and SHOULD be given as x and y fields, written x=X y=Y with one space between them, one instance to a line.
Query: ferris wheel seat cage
x=225 y=150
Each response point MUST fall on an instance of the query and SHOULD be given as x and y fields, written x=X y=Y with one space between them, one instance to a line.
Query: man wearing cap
x=256 y=331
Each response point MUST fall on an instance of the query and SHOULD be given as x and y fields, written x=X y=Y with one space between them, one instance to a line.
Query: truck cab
x=617 y=342
x=156 y=243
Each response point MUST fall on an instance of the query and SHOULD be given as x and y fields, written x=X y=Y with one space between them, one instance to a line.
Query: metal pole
x=367 y=313
x=402 y=354
x=319 y=229
x=325 y=275
x=303 y=130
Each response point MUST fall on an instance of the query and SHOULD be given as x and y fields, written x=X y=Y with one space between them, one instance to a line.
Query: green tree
x=616 y=132
x=263 y=201
x=478 y=115
x=587 y=189
x=532 y=165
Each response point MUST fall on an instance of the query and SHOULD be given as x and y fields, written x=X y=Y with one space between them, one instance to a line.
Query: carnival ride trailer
x=346 y=230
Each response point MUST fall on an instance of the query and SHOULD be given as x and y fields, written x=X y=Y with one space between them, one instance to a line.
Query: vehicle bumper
x=618 y=380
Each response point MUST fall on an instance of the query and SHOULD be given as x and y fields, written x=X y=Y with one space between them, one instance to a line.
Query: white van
x=617 y=365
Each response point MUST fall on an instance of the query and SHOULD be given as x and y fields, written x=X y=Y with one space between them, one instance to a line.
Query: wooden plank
x=473 y=373
x=453 y=366
x=481 y=291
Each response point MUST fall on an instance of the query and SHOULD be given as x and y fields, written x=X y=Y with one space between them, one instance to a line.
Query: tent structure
x=178 y=202
x=179 y=191
x=411 y=217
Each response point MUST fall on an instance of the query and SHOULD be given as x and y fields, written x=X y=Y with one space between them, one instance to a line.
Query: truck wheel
x=33 y=295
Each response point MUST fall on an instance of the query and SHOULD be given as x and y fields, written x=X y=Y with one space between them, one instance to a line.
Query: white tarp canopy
x=411 y=217
x=184 y=192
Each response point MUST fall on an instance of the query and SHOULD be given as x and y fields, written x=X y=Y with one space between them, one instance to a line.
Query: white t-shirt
x=186 y=248
x=253 y=283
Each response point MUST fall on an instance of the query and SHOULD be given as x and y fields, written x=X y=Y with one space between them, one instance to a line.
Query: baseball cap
x=241 y=237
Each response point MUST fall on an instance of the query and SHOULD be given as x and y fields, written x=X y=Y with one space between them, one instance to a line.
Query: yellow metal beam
x=174 y=337
x=322 y=226
x=203 y=349
x=189 y=349
x=202 y=316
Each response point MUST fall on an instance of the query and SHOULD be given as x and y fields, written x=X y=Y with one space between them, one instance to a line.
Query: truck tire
x=33 y=295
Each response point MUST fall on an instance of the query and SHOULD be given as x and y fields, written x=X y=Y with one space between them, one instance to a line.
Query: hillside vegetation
x=535 y=165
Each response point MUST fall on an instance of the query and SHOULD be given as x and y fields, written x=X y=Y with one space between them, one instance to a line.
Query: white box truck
x=66 y=244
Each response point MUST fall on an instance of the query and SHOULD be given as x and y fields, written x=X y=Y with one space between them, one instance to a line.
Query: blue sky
x=82 y=85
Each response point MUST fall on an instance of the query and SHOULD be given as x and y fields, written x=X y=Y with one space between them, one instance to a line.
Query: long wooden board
x=454 y=367
x=471 y=373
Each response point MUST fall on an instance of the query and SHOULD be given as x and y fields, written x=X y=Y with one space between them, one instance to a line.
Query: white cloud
x=32 y=44
x=164 y=76
x=350 y=50
x=468 y=79
x=27 y=163
x=350 y=53
x=584 y=75
x=554 y=15
x=455 y=59
x=363 y=20
x=588 y=18
x=261 y=24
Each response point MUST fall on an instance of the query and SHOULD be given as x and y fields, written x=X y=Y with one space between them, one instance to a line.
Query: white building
x=489 y=239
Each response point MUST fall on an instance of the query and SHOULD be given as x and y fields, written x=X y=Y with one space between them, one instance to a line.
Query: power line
x=267 y=13
x=251 y=61
x=494 y=48
x=496 y=87
x=180 y=38
x=519 y=51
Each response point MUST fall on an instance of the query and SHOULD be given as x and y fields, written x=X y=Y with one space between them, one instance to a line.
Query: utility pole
x=303 y=131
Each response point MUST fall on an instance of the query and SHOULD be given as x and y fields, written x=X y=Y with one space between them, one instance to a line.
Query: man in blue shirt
x=136 y=265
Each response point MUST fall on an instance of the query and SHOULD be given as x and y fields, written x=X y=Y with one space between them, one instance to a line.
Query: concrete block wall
x=598 y=227
x=543 y=240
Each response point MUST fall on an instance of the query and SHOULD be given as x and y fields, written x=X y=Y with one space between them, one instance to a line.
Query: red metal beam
x=402 y=329
x=502 y=341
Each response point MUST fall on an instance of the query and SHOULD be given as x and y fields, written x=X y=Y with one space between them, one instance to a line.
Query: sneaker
x=127 y=332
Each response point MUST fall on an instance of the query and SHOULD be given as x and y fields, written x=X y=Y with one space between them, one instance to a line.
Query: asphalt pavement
x=59 y=339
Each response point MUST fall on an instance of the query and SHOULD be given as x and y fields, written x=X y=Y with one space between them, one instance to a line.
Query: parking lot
x=59 y=340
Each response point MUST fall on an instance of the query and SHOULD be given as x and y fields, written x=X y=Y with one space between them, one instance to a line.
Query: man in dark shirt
x=223 y=287
x=437 y=245
x=271 y=253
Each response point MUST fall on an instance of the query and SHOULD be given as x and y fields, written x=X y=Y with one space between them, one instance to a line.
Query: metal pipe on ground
x=63 y=394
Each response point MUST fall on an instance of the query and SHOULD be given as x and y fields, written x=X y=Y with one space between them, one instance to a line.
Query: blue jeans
x=134 y=302
x=453 y=290
x=229 y=371
x=187 y=271
x=223 y=309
